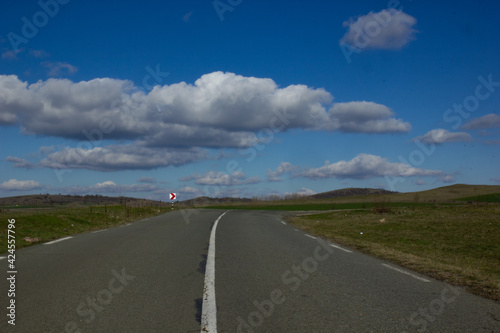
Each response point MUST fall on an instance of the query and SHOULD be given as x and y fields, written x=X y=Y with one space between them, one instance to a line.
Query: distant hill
x=440 y=194
x=347 y=192
x=206 y=201
x=54 y=200
x=447 y=193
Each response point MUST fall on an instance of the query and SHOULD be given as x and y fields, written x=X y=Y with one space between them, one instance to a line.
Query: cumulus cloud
x=130 y=157
x=20 y=185
x=43 y=150
x=365 y=166
x=439 y=136
x=284 y=167
x=388 y=29
x=13 y=54
x=447 y=178
x=109 y=187
x=178 y=135
x=194 y=176
x=105 y=185
x=20 y=162
x=10 y=54
x=365 y=117
x=219 y=110
x=188 y=190
x=59 y=68
x=305 y=192
x=217 y=178
x=488 y=121
x=171 y=124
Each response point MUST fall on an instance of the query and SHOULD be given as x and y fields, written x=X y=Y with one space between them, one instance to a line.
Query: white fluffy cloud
x=129 y=157
x=446 y=178
x=439 y=136
x=284 y=167
x=365 y=166
x=190 y=191
x=20 y=162
x=20 y=185
x=217 y=178
x=365 y=117
x=488 y=121
x=171 y=124
x=59 y=68
x=218 y=110
x=305 y=192
x=388 y=29
x=109 y=187
x=420 y=182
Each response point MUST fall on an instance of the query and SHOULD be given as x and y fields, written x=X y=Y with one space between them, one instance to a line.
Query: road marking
x=2 y=258
x=94 y=232
x=310 y=236
x=283 y=222
x=407 y=273
x=340 y=248
x=209 y=307
x=57 y=240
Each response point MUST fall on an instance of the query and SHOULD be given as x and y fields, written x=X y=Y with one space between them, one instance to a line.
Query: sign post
x=173 y=196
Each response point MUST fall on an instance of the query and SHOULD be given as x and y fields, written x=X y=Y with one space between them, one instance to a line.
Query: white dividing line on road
x=57 y=240
x=209 y=307
x=332 y=245
x=94 y=232
x=407 y=273
x=2 y=258
x=283 y=222
x=340 y=248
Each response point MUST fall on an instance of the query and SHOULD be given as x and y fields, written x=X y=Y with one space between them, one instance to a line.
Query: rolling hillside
x=442 y=194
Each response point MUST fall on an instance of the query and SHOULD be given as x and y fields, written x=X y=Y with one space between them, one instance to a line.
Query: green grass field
x=53 y=223
x=457 y=244
x=493 y=198
x=321 y=206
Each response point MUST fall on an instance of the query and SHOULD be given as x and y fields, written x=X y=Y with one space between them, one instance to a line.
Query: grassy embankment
x=457 y=244
x=53 y=223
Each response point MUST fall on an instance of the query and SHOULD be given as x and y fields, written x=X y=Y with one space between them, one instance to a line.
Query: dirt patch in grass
x=456 y=244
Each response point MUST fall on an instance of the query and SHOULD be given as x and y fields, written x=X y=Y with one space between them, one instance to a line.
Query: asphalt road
x=149 y=276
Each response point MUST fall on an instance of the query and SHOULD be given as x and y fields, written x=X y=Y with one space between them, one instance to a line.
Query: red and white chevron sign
x=173 y=196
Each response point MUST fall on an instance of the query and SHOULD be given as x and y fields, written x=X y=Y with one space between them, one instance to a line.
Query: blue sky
x=247 y=98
